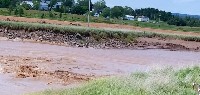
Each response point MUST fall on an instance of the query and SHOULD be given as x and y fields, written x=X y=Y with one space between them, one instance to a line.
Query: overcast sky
x=175 y=6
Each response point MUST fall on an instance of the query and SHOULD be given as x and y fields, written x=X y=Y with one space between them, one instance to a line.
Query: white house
x=27 y=2
x=44 y=4
x=96 y=15
x=143 y=19
x=129 y=17
x=58 y=5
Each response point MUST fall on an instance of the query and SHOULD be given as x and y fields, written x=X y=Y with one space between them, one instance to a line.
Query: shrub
x=21 y=11
x=42 y=16
x=16 y=11
x=51 y=14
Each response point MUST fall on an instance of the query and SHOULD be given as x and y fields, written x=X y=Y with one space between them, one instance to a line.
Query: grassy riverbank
x=159 y=82
x=94 y=32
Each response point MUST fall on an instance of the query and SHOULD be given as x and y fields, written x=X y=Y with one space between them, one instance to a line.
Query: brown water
x=102 y=62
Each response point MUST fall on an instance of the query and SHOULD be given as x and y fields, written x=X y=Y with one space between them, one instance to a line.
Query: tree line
x=80 y=7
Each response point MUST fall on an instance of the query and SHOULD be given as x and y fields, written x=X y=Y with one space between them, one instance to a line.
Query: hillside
x=186 y=15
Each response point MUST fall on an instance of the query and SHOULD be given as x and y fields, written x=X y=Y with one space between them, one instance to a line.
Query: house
x=96 y=15
x=129 y=17
x=58 y=4
x=143 y=19
x=44 y=4
x=27 y=2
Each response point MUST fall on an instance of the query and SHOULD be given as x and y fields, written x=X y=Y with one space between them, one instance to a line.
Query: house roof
x=129 y=16
x=59 y=3
x=143 y=17
x=43 y=4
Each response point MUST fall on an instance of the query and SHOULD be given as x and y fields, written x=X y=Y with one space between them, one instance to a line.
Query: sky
x=191 y=7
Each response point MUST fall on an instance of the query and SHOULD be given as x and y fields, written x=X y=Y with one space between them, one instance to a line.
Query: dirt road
x=97 y=25
x=27 y=67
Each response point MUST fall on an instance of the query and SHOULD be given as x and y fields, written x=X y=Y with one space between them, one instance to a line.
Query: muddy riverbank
x=89 y=41
x=39 y=66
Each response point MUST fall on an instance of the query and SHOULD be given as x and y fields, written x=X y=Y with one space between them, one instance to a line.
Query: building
x=96 y=15
x=143 y=19
x=27 y=2
x=58 y=4
x=129 y=17
x=44 y=4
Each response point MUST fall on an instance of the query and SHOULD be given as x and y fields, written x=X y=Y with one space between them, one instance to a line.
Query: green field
x=74 y=17
x=157 y=82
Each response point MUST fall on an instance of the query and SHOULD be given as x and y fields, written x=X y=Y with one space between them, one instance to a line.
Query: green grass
x=157 y=82
x=128 y=36
x=82 y=18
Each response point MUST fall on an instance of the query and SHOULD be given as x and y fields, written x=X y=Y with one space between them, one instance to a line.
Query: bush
x=16 y=11
x=21 y=11
x=60 y=15
x=42 y=16
x=51 y=14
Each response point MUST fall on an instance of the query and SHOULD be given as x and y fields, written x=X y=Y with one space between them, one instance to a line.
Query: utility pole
x=110 y=14
x=159 y=18
x=89 y=15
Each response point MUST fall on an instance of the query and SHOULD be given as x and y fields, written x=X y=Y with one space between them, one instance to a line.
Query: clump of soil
x=169 y=44
x=27 y=67
x=27 y=71
x=67 y=76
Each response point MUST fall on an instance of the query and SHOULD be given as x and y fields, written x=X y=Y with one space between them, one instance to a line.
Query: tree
x=128 y=10
x=99 y=6
x=67 y=5
x=26 y=6
x=5 y=3
x=36 y=4
x=117 y=12
x=78 y=10
x=176 y=21
x=58 y=9
x=84 y=4
x=16 y=12
x=21 y=11
x=51 y=4
x=10 y=9
x=106 y=12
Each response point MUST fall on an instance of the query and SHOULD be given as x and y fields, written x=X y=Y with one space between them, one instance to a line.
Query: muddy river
x=97 y=62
